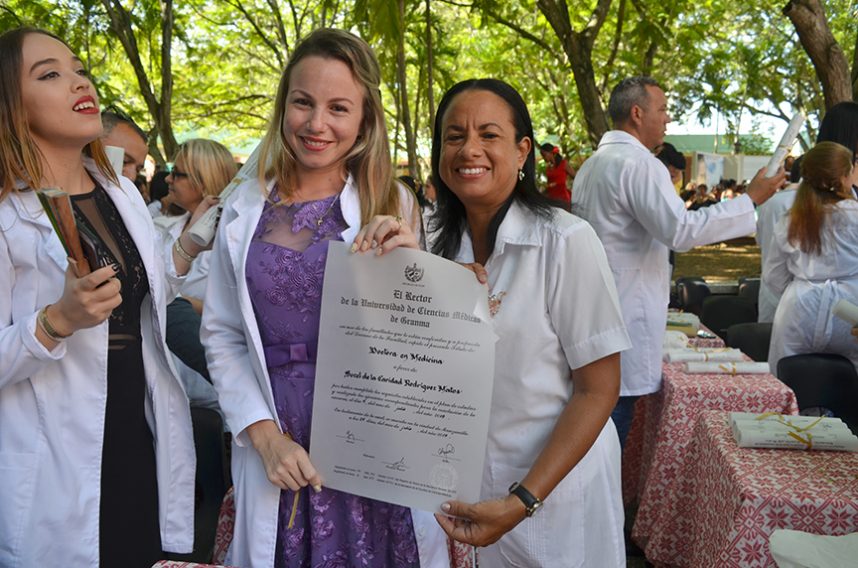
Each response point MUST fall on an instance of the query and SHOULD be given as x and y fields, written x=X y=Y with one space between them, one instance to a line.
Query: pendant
x=495 y=303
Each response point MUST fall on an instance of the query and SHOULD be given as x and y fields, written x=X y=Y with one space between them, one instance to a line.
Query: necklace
x=328 y=210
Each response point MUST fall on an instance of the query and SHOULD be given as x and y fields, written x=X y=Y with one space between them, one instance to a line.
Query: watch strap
x=531 y=502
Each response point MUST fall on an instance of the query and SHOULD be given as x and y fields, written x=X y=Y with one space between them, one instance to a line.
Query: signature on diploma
x=446 y=452
x=397 y=465
x=349 y=437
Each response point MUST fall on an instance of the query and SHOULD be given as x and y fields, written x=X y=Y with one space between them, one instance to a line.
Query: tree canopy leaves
x=213 y=73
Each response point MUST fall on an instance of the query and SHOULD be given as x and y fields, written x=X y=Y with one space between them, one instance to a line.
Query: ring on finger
x=398 y=219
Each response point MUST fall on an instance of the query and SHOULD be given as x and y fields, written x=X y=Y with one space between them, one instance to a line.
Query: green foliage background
x=713 y=56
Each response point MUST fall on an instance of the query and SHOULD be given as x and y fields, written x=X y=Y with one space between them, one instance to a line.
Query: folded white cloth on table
x=674 y=340
x=710 y=354
x=796 y=549
x=726 y=368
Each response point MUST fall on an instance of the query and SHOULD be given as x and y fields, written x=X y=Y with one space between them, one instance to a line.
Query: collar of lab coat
x=517 y=228
x=621 y=137
x=29 y=209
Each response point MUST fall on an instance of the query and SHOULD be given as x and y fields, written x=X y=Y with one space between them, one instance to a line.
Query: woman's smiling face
x=480 y=156
x=324 y=112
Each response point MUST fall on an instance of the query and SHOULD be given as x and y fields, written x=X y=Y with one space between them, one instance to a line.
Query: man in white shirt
x=626 y=194
x=122 y=132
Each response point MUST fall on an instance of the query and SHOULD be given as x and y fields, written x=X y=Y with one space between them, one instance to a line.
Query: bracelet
x=46 y=326
x=180 y=250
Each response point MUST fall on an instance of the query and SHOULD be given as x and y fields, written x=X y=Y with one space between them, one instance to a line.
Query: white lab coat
x=558 y=311
x=170 y=228
x=626 y=194
x=52 y=403
x=768 y=214
x=811 y=285
x=200 y=392
x=237 y=366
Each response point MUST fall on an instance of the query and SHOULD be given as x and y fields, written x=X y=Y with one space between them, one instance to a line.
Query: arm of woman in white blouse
x=596 y=388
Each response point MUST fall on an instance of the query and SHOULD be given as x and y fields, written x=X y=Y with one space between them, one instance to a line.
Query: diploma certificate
x=404 y=376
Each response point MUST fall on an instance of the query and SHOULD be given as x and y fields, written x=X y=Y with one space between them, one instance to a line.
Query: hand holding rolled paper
x=203 y=230
x=57 y=206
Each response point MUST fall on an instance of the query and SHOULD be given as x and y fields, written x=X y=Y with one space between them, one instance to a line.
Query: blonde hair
x=369 y=159
x=210 y=165
x=823 y=168
x=21 y=161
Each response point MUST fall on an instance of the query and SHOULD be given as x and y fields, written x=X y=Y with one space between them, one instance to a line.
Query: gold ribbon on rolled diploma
x=731 y=369
x=808 y=442
x=765 y=415
x=796 y=430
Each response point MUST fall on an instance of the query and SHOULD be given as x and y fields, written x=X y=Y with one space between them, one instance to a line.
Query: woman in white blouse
x=814 y=258
x=552 y=451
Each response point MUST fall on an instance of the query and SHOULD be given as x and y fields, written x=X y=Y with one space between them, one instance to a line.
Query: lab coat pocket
x=18 y=472
x=525 y=543
x=552 y=536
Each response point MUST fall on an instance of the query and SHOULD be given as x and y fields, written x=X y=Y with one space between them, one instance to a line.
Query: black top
x=129 y=532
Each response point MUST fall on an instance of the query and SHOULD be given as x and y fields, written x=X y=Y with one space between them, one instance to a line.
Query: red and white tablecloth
x=657 y=447
x=729 y=500
x=461 y=555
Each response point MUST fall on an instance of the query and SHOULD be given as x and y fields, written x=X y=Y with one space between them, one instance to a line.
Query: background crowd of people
x=96 y=444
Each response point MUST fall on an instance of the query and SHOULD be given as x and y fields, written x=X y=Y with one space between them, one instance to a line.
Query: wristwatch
x=531 y=502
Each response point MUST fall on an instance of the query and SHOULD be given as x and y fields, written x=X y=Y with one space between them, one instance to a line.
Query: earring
x=520 y=175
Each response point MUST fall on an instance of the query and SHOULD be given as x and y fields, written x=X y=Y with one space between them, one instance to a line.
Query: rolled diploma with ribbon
x=808 y=440
x=846 y=310
x=203 y=231
x=686 y=355
x=785 y=145
x=727 y=368
x=819 y=427
x=791 y=419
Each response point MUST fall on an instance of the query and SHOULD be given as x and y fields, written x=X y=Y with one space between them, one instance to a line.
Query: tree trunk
x=588 y=92
x=578 y=47
x=402 y=79
x=159 y=110
x=165 y=124
x=430 y=67
x=829 y=61
x=855 y=70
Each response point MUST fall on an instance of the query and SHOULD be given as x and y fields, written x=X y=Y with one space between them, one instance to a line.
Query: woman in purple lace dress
x=328 y=172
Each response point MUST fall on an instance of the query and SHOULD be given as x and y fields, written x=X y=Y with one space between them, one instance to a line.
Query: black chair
x=823 y=380
x=751 y=338
x=720 y=312
x=212 y=482
x=749 y=288
x=691 y=291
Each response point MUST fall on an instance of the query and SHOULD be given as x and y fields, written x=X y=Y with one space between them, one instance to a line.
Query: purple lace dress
x=285 y=270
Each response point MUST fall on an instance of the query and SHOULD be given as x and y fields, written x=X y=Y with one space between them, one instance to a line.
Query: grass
x=721 y=261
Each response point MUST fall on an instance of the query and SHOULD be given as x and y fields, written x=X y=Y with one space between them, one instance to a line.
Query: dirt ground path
x=727 y=261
